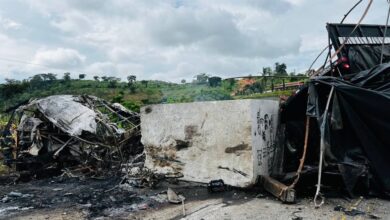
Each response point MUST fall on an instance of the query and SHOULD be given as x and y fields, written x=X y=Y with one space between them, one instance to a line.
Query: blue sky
x=166 y=40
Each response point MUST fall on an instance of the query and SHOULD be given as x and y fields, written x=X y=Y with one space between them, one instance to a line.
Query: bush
x=132 y=106
x=212 y=95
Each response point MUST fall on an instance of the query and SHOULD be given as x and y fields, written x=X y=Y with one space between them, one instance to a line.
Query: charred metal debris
x=71 y=135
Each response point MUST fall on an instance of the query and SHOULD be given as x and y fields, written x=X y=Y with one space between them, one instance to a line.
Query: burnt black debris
x=349 y=103
x=72 y=135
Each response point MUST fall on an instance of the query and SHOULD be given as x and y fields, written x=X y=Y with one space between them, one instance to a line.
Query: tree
x=96 y=78
x=280 y=69
x=44 y=76
x=256 y=87
x=36 y=81
x=145 y=83
x=66 y=77
x=229 y=84
x=183 y=81
x=51 y=76
x=105 y=78
x=112 y=82
x=201 y=78
x=11 y=88
x=131 y=79
x=82 y=76
x=267 y=71
x=215 y=81
x=11 y=81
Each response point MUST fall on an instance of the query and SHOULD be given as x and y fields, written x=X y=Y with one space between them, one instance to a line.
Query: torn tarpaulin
x=357 y=127
x=65 y=131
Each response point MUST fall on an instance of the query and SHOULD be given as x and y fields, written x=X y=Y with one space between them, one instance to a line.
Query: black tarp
x=363 y=47
x=363 y=57
x=357 y=130
x=359 y=127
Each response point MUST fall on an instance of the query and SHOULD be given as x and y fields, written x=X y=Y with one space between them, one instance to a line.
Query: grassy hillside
x=135 y=94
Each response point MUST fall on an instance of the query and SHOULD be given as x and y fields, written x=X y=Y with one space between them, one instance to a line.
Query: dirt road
x=59 y=198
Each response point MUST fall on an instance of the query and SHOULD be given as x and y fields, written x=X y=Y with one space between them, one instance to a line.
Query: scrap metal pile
x=74 y=134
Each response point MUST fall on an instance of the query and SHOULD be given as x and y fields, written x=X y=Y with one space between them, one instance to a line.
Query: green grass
x=152 y=93
x=265 y=95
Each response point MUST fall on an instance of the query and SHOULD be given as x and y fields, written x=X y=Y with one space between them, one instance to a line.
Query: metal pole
x=322 y=150
x=384 y=35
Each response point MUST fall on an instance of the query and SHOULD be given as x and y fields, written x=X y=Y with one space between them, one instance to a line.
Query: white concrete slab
x=203 y=141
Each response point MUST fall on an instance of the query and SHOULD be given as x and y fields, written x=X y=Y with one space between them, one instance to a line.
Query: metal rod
x=353 y=30
x=347 y=38
x=302 y=160
x=384 y=34
x=350 y=10
x=315 y=60
x=322 y=150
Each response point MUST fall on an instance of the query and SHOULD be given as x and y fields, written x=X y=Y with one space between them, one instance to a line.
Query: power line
x=36 y=64
x=24 y=62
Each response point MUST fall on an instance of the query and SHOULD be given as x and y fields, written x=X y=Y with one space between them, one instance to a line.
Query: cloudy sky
x=166 y=39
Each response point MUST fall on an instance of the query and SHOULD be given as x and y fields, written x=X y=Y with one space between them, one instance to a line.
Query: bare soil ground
x=72 y=198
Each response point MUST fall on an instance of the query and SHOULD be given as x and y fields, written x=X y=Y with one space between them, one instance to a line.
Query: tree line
x=13 y=87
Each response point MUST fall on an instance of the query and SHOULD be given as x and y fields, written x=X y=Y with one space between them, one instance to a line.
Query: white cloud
x=11 y=53
x=59 y=58
x=312 y=42
x=295 y=2
x=169 y=39
x=72 y=21
x=9 y=24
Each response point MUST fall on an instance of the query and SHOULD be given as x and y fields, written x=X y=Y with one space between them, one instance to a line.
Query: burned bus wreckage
x=82 y=134
x=331 y=135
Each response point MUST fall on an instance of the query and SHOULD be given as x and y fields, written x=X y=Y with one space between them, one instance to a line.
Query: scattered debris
x=261 y=196
x=350 y=212
x=15 y=194
x=5 y=199
x=217 y=186
x=141 y=178
x=173 y=197
x=176 y=199
x=7 y=209
x=354 y=212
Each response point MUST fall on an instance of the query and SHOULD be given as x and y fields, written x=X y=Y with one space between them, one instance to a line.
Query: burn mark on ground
x=164 y=157
x=236 y=148
x=233 y=170
x=204 y=120
x=190 y=131
x=180 y=144
x=148 y=110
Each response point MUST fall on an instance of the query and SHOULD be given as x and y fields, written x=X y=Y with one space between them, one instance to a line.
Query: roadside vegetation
x=135 y=93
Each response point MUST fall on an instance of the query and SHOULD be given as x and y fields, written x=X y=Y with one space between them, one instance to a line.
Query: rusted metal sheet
x=278 y=189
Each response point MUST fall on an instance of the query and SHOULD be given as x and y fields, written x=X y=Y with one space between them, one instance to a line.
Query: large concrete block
x=203 y=141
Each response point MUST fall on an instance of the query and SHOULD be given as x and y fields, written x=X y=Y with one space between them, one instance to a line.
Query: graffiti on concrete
x=265 y=129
